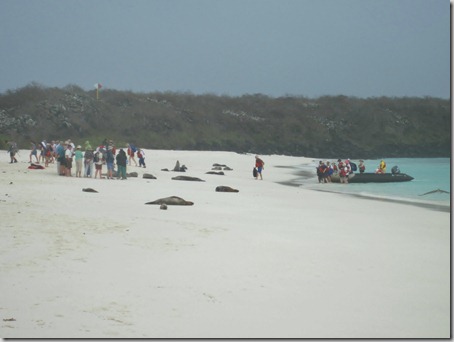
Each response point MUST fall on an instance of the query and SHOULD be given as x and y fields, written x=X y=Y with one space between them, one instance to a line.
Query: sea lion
x=148 y=176
x=172 y=200
x=88 y=190
x=222 y=188
x=132 y=174
x=220 y=173
x=224 y=167
x=187 y=178
x=179 y=168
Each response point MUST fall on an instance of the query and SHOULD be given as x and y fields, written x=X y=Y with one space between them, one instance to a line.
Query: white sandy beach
x=271 y=261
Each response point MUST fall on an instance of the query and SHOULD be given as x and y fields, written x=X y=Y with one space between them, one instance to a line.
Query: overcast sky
x=362 y=48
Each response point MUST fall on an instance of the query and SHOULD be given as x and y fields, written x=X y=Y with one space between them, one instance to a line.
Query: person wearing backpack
x=259 y=165
x=88 y=161
x=98 y=160
x=121 y=163
x=141 y=156
x=131 y=151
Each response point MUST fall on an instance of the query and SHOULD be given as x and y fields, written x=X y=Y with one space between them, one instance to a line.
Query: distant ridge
x=328 y=126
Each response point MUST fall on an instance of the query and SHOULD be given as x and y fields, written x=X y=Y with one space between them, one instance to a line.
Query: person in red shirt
x=141 y=156
x=259 y=165
x=131 y=152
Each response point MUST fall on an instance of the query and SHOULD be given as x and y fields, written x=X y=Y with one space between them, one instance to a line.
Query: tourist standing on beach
x=34 y=152
x=131 y=151
x=320 y=171
x=60 y=156
x=343 y=174
x=12 y=151
x=98 y=160
x=260 y=166
x=329 y=171
x=141 y=156
x=48 y=154
x=88 y=162
x=42 y=151
x=121 y=163
x=110 y=158
x=69 y=160
x=78 y=156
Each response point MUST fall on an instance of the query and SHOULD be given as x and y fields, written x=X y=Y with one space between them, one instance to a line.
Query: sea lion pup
x=88 y=190
x=172 y=200
x=222 y=188
x=148 y=176
x=187 y=178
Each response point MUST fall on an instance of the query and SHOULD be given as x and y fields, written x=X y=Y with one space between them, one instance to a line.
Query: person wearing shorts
x=98 y=159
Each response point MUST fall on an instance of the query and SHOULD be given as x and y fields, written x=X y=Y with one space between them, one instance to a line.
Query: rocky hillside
x=329 y=126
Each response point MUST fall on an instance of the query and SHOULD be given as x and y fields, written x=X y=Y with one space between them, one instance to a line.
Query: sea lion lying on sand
x=172 y=200
x=220 y=173
x=148 y=176
x=88 y=190
x=187 y=178
x=222 y=188
x=224 y=167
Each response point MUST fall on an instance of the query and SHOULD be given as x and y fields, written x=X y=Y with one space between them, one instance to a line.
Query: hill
x=328 y=126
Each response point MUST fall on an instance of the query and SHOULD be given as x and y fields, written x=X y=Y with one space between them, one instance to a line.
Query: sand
x=271 y=261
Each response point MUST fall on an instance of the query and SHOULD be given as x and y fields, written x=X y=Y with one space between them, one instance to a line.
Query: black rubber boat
x=374 y=178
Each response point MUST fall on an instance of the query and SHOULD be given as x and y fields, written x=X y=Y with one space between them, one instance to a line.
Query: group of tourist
x=88 y=162
x=343 y=169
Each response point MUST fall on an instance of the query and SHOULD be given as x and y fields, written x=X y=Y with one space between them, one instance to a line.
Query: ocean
x=429 y=174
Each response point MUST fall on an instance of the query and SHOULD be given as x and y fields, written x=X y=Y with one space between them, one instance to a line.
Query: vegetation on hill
x=328 y=126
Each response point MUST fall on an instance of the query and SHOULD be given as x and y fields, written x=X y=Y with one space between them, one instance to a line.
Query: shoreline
x=307 y=175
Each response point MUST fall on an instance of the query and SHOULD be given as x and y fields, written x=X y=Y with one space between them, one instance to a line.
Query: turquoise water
x=428 y=173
